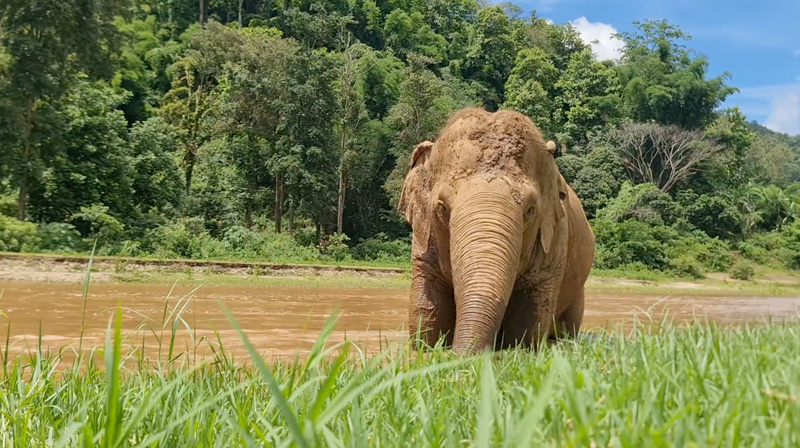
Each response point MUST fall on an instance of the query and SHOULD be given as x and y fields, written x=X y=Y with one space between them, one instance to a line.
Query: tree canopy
x=179 y=126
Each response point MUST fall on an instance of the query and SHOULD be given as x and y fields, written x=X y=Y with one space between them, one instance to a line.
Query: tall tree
x=490 y=56
x=530 y=87
x=352 y=113
x=188 y=106
x=47 y=43
x=663 y=82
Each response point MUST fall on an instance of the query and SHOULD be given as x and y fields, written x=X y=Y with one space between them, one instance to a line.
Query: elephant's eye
x=443 y=211
x=530 y=212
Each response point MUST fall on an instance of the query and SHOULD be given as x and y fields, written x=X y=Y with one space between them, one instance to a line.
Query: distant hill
x=791 y=141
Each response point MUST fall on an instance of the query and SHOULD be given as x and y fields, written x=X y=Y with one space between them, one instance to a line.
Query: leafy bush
x=620 y=244
x=381 y=249
x=743 y=270
x=61 y=237
x=570 y=165
x=644 y=202
x=335 y=246
x=594 y=187
x=765 y=248
x=790 y=249
x=8 y=205
x=714 y=214
x=266 y=245
x=18 y=236
x=712 y=253
x=96 y=223
x=185 y=238
x=686 y=266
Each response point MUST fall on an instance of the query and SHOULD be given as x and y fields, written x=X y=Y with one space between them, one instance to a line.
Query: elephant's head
x=486 y=202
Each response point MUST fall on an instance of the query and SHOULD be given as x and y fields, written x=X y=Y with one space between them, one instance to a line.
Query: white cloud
x=785 y=115
x=600 y=37
x=778 y=104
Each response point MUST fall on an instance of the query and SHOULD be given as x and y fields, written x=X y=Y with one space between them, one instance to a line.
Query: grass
x=652 y=385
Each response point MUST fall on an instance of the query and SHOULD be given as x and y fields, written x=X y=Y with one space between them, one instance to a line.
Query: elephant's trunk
x=486 y=235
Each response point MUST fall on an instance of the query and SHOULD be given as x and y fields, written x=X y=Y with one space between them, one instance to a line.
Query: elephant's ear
x=414 y=197
x=415 y=185
x=555 y=211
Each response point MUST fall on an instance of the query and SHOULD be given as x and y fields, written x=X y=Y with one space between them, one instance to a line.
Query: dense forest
x=280 y=130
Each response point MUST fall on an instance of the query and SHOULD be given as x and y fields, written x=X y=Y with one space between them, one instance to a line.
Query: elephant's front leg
x=432 y=311
x=529 y=316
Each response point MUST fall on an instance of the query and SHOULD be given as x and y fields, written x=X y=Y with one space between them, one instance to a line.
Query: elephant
x=501 y=246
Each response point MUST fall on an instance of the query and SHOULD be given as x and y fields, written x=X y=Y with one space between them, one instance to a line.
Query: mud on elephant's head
x=485 y=202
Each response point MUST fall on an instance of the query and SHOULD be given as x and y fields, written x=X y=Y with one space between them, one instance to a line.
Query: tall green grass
x=659 y=385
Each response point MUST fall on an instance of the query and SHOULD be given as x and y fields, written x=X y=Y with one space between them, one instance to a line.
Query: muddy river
x=283 y=321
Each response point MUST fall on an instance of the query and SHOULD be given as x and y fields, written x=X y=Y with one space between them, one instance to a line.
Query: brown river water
x=282 y=322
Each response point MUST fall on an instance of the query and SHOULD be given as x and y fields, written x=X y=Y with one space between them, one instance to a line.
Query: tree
x=529 y=89
x=663 y=155
x=352 y=113
x=490 y=54
x=157 y=184
x=190 y=103
x=95 y=166
x=423 y=106
x=588 y=96
x=406 y=33
x=47 y=42
x=770 y=161
x=662 y=82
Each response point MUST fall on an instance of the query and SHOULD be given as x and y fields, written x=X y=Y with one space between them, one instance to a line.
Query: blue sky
x=758 y=42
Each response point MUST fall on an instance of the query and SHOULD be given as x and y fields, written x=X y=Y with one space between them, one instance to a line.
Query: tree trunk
x=189 y=172
x=202 y=12
x=291 y=218
x=25 y=175
x=22 y=202
x=241 y=11
x=319 y=229
x=340 y=209
x=278 y=202
x=248 y=215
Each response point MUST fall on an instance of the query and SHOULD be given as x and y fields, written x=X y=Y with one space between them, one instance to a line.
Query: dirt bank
x=58 y=268
x=111 y=270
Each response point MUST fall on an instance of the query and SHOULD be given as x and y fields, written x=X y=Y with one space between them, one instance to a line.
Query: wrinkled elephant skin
x=501 y=246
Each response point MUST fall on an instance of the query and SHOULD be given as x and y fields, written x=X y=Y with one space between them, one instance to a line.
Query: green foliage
x=743 y=270
x=662 y=82
x=95 y=166
x=8 y=205
x=383 y=250
x=406 y=33
x=588 y=98
x=157 y=184
x=530 y=86
x=186 y=238
x=714 y=214
x=686 y=266
x=620 y=244
x=18 y=236
x=335 y=246
x=95 y=223
x=274 y=125
x=61 y=237
x=644 y=202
